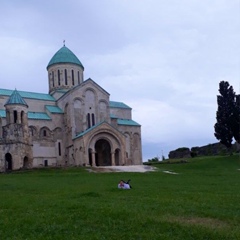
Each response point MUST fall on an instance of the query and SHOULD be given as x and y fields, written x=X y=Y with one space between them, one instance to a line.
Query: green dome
x=15 y=98
x=64 y=55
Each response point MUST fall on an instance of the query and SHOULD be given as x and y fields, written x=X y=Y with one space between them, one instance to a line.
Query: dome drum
x=64 y=70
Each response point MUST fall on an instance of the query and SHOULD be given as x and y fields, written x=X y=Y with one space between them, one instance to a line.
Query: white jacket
x=124 y=186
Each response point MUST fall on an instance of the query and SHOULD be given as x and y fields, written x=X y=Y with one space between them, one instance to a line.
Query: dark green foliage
x=155 y=159
x=227 y=126
x=182 y=149
x=235 y=119
x=193 y=154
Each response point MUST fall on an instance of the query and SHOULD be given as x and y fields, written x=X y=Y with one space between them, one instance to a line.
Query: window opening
x=89 y=120
x=65 y=71
x=45 y=163
x=78 y=77
x=59 y=149
x=72 y=77
x=15 y=116
x=59 y=78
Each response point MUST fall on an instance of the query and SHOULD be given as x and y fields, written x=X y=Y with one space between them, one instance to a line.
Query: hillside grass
x=202 y=201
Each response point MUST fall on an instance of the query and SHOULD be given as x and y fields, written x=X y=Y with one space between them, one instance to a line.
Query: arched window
x=45 y=163
x=72 y=77
x=44 y=133
x=93 y=119
x=53 y=78
x=59 y=81
x=59 y=148
x=89 y=120
x=78 y=77
x=15 y=116
x=65 y=71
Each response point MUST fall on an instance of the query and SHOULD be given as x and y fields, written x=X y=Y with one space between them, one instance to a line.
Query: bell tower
x=15 y=133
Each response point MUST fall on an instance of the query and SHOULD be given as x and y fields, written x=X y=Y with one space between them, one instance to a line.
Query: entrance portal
x=103 y=153
x=25 y=162
x=8 y=162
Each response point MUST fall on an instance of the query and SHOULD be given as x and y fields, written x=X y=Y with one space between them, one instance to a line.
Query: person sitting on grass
x=124 y=185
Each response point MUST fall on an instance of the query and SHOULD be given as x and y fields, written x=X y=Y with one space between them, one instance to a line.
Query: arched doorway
x=103 y=153
x=25 y=162
x=8 y=162
x=45 y=163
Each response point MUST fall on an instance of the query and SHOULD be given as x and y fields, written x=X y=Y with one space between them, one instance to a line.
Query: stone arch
x=115 y=142
x=45 y=132
x=8 y=162
x=77 y=102
x=57 y=133
x=32 y=131
x=25 y=162
x=106 y=136
x=103 y=152
x=78 y=114
x=89 y=89
x=90 y=107
x=90 y=97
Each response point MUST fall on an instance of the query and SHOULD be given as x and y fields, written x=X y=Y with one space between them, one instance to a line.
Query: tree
x=235 y=119
x=227 y=126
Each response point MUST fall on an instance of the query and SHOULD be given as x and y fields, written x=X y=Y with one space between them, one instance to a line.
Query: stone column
x=11 y=120
x=93 y=159
x=113 y=158
x=19 y=117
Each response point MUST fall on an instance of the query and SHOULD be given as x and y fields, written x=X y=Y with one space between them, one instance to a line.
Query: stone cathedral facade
x=75 y=124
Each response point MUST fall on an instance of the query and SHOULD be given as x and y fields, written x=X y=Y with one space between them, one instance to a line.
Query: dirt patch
x=132 y=168
x=205 y=222
x=170 y=172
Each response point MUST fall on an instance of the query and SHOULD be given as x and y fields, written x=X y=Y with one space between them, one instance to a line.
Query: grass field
x=202 y=201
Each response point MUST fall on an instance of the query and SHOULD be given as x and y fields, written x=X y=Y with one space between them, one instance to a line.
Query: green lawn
x=202 y=201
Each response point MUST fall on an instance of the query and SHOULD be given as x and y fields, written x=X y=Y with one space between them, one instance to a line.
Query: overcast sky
x=164 y=59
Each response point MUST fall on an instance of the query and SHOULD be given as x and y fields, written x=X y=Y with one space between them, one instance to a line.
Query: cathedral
x=74 y=124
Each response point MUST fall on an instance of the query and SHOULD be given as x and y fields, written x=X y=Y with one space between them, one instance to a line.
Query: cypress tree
x=227 y=125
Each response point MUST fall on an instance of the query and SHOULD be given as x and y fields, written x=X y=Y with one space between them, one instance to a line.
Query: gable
x=88 y=84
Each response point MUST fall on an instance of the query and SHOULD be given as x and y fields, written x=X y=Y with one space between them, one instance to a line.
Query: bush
x=153 y=160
